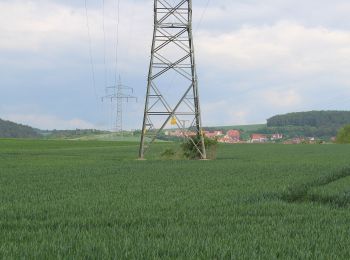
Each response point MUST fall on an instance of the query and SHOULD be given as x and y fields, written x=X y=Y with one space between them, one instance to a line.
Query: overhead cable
x=90 y=50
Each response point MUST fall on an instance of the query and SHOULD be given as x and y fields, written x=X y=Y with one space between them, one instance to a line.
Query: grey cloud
x=51 y=69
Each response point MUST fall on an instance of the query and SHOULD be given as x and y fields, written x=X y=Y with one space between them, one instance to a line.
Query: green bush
x=191 y=152
x=343 y=136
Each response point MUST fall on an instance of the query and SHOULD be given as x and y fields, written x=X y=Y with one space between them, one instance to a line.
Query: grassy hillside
x=72 y=134
x=244 y=128
x=88 y=199
x=110 y=137
x=114 y=137
x=12 y=130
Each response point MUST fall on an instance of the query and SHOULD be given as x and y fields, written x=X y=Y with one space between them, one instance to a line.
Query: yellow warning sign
x=173 y=121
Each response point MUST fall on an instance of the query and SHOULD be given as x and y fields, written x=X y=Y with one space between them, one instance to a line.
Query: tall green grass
x=61 y=199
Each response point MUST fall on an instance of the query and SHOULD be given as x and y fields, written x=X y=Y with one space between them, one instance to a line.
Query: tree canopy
x=343 y=136
x=313 y=123
x=12 y=130
x=312 y=118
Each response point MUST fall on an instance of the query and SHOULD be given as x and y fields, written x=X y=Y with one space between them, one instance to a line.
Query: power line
x=131 y=30
x=117 y=42
x=90 y=50
x=104 y=40
x=202 y=15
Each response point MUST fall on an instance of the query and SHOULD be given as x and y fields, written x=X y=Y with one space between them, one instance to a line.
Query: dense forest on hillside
x=313 y=123
x=314 y=118
x=12 y=130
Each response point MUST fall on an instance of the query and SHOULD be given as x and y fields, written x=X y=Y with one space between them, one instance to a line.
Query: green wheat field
x=93 y=200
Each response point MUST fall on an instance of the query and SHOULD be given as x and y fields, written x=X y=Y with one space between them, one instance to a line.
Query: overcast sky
x=255 y=59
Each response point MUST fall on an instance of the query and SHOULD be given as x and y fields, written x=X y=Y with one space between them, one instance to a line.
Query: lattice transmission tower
x=172 y=91
x=116 y=94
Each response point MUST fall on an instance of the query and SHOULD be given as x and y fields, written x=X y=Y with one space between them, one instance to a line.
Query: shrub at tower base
x=191 y=152
x=343 y=136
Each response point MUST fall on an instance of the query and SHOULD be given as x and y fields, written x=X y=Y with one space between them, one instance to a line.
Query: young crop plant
x=172 y=154
x=93 y=200
x=331 y=189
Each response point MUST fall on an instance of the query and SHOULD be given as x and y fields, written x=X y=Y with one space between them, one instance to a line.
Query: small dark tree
x=191 y=152
x=343 y=136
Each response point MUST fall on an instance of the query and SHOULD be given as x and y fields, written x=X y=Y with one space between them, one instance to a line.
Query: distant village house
x=231 y=137
x=276 y=137
x=258 y=138
x=213 y=135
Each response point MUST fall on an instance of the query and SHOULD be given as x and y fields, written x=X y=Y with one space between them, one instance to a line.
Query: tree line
x=325 y=119
x=12 y=130
x=321 y=124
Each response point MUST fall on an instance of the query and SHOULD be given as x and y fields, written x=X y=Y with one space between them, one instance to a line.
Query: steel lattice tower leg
x=172 y=89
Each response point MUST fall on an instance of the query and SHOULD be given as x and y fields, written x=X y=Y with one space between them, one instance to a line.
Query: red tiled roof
x=233 y=133
x=258 y=136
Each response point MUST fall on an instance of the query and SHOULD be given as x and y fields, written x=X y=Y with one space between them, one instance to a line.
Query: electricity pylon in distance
x=172 y=90
x=116 y=95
